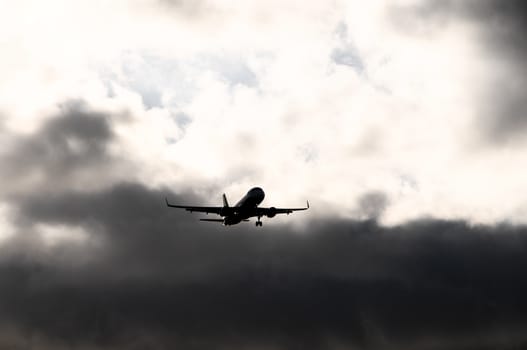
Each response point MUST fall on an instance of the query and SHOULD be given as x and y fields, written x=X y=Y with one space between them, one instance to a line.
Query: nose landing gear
x=259 y=222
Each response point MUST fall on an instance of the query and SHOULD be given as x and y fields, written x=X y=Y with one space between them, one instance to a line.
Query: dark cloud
x=503 y=22
x=146 y=276
x=59 y=144
x=503 y=33
x=70 y=149
x=161 y=279
x=371 y=205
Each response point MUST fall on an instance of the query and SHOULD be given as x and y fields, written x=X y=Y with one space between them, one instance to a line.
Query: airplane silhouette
x=247 y=207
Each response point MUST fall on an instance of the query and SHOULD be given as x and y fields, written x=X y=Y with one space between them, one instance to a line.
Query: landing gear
x=259 y=222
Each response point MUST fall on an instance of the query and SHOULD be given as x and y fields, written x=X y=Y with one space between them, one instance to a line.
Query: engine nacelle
x=272 y=212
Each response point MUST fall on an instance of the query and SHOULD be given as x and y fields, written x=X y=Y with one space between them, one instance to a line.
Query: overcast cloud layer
x=420 y=100
x=403 y=125
x=112 y=268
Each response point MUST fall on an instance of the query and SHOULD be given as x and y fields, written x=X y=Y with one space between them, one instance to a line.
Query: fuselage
x=245 y=207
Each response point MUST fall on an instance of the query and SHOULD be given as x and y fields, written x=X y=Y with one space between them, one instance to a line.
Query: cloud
x=122 y=270
x=221 y=99
x=188 y=8
x=161 y=276
x=347 y=54
x=504 y=25
x=111 y=267
x=256 y=78
x=501 y=28
x=69 y=149
x=371 y=205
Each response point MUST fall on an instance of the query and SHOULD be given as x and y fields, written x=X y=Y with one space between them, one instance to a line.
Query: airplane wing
x=217 y=220
x=272 y=211
x=212 y=210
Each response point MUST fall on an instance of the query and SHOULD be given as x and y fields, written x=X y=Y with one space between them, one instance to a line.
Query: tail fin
x=225 y=203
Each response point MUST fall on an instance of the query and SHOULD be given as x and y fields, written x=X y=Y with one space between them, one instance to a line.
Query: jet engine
x=272 y=212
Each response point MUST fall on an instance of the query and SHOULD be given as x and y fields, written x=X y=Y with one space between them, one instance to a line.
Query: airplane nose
x=256 y=190
x=258 y=193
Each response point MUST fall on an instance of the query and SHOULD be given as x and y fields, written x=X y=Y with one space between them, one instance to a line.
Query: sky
x=401 y=122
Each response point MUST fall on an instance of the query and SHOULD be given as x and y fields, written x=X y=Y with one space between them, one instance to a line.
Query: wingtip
x=307 y=204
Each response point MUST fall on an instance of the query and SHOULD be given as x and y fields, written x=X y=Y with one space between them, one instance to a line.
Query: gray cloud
x=188 y=8
x=503 y=28
x=152 y=277
x=371 y=205
x=71 y=149
x=233 y=70
x=161 y=276
x=347 y=54
x=151 y=76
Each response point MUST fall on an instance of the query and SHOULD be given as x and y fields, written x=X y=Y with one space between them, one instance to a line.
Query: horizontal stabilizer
x=212 y=220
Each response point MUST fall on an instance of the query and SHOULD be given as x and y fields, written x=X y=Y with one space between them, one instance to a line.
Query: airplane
x=247 y=207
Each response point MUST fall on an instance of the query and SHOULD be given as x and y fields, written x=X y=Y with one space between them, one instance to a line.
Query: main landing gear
x=259 y=222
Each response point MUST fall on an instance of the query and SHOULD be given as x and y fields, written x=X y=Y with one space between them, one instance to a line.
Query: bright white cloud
x=222 y=96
